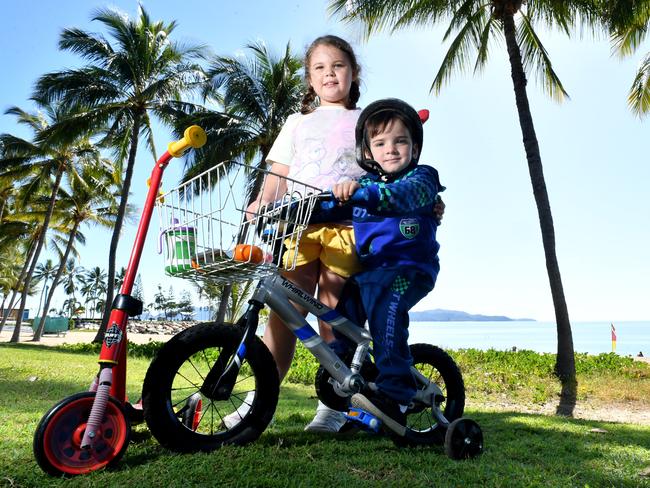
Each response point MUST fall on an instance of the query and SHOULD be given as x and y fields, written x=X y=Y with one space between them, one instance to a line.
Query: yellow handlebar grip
x=193 y=136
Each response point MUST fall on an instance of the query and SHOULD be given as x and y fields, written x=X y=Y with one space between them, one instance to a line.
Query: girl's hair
x=341 y=44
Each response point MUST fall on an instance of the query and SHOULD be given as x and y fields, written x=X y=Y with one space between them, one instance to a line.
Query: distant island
x=440 y=315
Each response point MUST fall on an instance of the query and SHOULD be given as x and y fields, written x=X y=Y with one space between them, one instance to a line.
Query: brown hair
x=334 y=41
x=382 y=120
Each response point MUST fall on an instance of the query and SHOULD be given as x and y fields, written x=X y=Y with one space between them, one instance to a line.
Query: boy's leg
x=387 y=297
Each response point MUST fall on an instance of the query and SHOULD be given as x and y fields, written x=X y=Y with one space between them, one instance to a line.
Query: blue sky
x=594 y=151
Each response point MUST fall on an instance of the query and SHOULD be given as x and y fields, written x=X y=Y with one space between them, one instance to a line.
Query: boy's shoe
x=230 y=420
x=326 y=420
x=384 y=408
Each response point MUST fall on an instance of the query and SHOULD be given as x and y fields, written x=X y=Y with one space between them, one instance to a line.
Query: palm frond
x=535 y=58
x=376 y=16
x=93 y=47
x=639 y=96
x=459 y=53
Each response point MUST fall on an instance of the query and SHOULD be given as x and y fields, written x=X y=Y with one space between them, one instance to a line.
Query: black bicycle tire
x=164 y=422
x=453 y=389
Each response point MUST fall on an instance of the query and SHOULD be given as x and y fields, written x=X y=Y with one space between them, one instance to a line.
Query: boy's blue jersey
x=396 y=225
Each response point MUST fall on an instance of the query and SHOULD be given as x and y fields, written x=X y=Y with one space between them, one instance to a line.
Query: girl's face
x=330 y=74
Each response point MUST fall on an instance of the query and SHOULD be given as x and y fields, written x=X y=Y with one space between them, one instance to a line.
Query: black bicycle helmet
x=414 y=118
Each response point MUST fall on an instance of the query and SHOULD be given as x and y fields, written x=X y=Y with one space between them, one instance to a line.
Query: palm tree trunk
x=565 y=361
x=46 y=223
x=55 y=282
x=21 y=278
x=115 y=239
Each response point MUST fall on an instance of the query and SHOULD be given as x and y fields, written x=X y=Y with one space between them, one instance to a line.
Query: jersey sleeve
x=416 y=193
x=283 y=148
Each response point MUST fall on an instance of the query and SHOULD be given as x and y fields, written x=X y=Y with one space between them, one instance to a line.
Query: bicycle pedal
x=365 y=420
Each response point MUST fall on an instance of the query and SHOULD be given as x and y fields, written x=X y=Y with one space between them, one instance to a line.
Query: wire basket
x=206 y=233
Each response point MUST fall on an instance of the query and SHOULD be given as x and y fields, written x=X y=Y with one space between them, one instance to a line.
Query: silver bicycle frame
x=278 y=293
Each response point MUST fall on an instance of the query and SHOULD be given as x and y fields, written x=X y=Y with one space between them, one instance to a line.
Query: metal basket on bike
x=206 y=232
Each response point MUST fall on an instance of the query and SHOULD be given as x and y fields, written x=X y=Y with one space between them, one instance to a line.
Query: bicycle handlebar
x=329 y=201
x=194 y=136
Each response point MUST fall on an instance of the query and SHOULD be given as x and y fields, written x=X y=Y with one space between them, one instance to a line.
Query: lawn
x=524 y=450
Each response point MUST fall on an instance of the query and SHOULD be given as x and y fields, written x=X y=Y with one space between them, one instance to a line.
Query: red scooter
x=90 y=430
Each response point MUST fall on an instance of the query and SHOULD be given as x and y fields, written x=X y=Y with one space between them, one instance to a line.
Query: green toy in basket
x=180 y=242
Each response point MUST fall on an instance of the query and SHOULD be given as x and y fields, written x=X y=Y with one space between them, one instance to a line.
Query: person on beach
x=395 y=231
x=316 y=147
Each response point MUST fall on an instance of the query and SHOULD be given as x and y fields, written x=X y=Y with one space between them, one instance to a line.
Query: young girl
x=316 y=147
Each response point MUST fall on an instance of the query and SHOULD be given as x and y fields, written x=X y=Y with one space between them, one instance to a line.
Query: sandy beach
x=75 y=337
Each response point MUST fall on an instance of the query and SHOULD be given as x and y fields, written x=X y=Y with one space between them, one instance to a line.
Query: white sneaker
x=230 y=420
x=326 y=420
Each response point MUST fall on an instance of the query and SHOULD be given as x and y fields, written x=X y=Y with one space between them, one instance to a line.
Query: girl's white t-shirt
x=318 y=147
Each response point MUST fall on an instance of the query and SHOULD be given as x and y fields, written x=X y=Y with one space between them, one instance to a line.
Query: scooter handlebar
x=194 y=136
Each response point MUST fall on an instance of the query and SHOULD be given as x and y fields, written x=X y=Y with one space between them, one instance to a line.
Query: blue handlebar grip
x=360 y=196
x=328 y=204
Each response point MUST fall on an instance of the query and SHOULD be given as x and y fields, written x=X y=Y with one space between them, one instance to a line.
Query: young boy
x=395 y=232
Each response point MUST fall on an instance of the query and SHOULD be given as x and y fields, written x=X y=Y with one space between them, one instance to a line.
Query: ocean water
x=588 y=337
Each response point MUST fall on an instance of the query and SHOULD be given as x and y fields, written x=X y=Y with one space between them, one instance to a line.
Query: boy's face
x=393 y=148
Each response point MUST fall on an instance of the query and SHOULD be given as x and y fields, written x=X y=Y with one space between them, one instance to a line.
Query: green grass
x=521 y=449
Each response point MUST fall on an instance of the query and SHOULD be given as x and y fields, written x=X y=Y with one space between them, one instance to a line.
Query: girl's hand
x=252 y=209
x=343 y=191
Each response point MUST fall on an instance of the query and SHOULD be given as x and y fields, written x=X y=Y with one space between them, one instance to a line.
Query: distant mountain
x=440 y=315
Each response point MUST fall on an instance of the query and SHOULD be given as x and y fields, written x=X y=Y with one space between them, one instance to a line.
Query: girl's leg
x=330 y=285
x=277 y=336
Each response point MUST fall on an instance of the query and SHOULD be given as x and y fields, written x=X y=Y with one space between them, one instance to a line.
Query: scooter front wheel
x=57 y=440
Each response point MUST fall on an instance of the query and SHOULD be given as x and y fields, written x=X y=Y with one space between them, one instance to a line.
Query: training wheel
x=192 y=412
x=464 y=439
x=58 y=436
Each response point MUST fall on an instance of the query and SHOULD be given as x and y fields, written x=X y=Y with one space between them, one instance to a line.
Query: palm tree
x=71 y=277
x=41 y=164
x=127 y=80
x=44 y=272
x=475 y=24
x=90 y=201
x=94 y=284
x=628 y=23
x=258 y=93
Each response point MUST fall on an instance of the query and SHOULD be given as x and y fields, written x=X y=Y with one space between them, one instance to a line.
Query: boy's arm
x=417 y=193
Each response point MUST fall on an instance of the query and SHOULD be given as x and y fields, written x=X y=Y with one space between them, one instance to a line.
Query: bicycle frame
x=278 y=293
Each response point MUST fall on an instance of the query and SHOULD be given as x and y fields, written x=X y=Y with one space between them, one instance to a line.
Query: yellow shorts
x=332 y=244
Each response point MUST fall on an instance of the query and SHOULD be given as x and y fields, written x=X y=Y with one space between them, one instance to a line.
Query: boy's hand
x=343 y=191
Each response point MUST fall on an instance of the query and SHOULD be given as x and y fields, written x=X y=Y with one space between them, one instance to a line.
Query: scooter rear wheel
x=57 y=440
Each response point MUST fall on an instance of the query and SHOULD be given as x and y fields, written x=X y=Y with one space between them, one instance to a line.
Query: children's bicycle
x=90 y=430
x=213 y=372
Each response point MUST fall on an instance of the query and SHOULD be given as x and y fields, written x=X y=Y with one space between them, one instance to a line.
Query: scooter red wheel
x=57 y=440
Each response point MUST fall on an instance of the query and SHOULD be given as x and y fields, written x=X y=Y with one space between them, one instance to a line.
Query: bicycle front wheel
x=172 y=395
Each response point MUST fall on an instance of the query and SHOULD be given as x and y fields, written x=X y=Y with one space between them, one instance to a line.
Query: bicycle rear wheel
x=422 y=427
x=173 y=385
